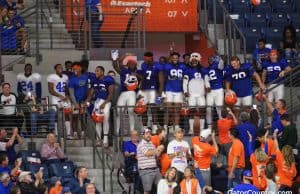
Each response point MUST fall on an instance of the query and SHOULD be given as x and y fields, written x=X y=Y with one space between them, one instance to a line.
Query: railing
x=231 y=34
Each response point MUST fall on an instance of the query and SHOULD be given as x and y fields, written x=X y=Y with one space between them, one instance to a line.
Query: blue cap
x=247 y=173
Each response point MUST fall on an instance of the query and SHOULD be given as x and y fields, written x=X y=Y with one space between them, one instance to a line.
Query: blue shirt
x=100 y=86
x=243 y=135
x=261 y=54
x=174 y=76
x=276 y=122
x=215 y=76
x=241 y=79
x=150 y=75
x=10 y=151
x=129 y=146
x=244 y=188
x=273 y=69
x=92 y=4
x=5 y=189
x=5 y=169
x=194 y=73
x=124 y=73
x=80 y=86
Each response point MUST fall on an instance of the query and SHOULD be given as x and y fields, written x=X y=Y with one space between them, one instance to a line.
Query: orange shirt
x=285 y=173
x=155 y=140
x=165 y=163
x=203 y=152
x=258 y=172
x=236 y=150
x=224 y=126
x=271 y=147
x=56 y=190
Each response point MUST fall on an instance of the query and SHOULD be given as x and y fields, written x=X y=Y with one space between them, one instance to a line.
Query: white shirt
x=163 y=187
x=8 y=100
x=180 y=161
x=59 y=84
x=28 y=83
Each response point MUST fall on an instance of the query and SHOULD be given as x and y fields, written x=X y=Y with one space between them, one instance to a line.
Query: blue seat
x=239 y=6
x=62 y=169
x=257 y=20
x=251 y=35
x=264 y=7
x=29 y=156
x=279 y=19
x=273 y=35
x=282 y=6
x=34 y=168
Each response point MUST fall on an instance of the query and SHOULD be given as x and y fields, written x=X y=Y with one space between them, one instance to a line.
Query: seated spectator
x=81 y=179
x=8 y=145
x=289 y=133
x=246 y=186
x=51 y=149
x=16 y=5
x=19 y=23
x=55 y=185
x=30 y=186
x=90 y=188
x=5 y=183
x=9 y=117
x=260 y=54
x=190 y=183
x=168 y=184
x=289 y=44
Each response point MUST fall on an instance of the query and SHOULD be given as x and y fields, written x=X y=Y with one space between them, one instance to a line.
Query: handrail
x=21 y=13
x=129 y=23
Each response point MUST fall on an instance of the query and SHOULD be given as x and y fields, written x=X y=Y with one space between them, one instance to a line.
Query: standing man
x=289 y=134
x=260 y=54
x=147 y=163
x=94 y=14
x=150 y=85
x=58 y=88
x=68 y=69
x=239 y=80
x=102 y=88
x=29 y=84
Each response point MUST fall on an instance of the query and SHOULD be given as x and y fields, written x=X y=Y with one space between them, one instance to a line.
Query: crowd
x=13 y=31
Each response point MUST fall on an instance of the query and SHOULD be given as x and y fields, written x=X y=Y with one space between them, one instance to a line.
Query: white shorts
x=244 y=101
x=127 y=98
x=276 y=93
x=174 y=97
x=196 y=101
x=215 y=97
x=106 y=110
x=149 y=96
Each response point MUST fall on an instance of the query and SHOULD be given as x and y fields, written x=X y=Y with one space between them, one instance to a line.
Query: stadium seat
x=251 y=35
x=264 y=7
x=239 y=6
x=240 y=22
x=62 y=169
x=278 y=19
x=284 y=6
x=34 y=168
x=29 y=156
x=257 y=20
x=273 y=36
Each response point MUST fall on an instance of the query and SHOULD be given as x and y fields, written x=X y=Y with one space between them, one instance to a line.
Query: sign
x=160 y=15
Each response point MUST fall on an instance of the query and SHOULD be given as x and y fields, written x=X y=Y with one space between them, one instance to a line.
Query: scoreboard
x=160 y=15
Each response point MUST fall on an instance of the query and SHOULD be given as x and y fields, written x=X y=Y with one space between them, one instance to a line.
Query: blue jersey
x=100 y=86
x=80 y=86
x=194 y=73
x=124 y=73
x=273 y=70
x=174 y=76
x=243 y=135
x=215 y=76
x=92 y=5
x=276 y=122
x=260 y=55
x=240 y=79
x=150 y=75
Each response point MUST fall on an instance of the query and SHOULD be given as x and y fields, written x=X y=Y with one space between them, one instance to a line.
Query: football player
x=238 y=78
x=215 y=96
x=150 y=84
x=194 y=84
x=126 y=67
x=57 y=87
x=102 y=88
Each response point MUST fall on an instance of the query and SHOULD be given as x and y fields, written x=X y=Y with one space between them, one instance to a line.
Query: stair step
x=79 y=150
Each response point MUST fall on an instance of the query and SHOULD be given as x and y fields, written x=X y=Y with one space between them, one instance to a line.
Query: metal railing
x=228 y=31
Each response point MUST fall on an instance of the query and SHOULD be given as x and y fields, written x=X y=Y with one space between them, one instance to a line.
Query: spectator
x=146 y=156
x=51 y=149
x=9 y=117
x=19 y=23
x=271 y=171
x=286 y=165
x=3 y=15
x=165 y=163
x=289 y=133
x=15 y=190
x=267 y=143
x=179 y=151
x=246 y=186
x=90 y=188
x=244 y=127
x=81 y=179
x=5 y=183
x=68 y=69
x=289 y=44
x=260 y=54
x=66 y=190
x=236 y=159
x=55 y=185
x=78 y=88
x=8 y=145
x=30 y=186
x=10 y=4
x=203 y=153
x=224 y=124
x=168 y=184
x=189 y=184
x=159 y=138
x=4 y=165
x=29 y=84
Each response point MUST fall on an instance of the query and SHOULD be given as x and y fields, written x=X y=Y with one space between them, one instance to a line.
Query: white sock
x=55 y=129
x=202 y=123
x=105 y=139
x=68 y=127
x=191 y=123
